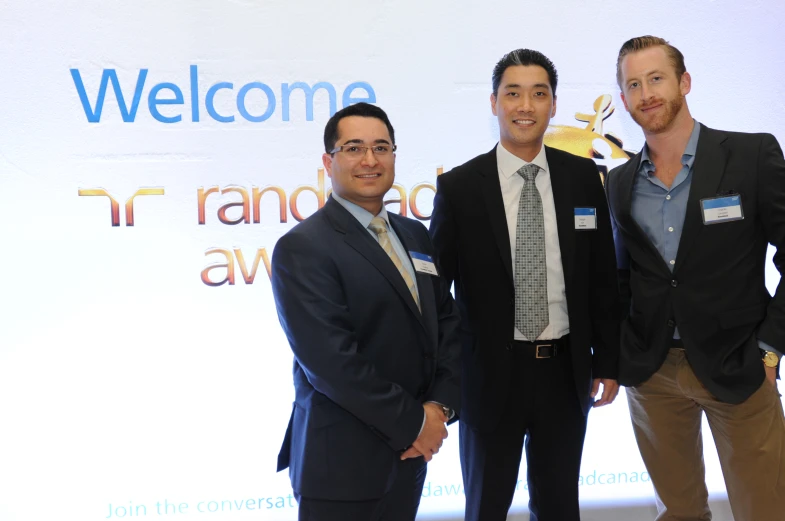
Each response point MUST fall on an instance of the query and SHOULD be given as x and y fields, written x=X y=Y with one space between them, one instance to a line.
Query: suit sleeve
x=446 y=388
x=603 y=287
x=312 y=310
x=444 y=233
x=771 y=194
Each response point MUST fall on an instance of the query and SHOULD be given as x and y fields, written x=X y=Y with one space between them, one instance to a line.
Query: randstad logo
x=251 y=106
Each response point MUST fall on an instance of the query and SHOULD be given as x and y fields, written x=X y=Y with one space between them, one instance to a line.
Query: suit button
x=671 y=323
x=674 y=283
x=509 y=346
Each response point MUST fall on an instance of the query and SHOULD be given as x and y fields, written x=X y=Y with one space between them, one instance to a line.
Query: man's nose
x=369 y=158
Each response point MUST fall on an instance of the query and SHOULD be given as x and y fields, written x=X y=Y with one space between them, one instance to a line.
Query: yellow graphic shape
x=589 y=141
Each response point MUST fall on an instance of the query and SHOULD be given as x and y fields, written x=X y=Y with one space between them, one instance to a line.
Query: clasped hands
x=432 y=436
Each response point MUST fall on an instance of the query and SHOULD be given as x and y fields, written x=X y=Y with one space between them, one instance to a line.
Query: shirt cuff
x=766 y=347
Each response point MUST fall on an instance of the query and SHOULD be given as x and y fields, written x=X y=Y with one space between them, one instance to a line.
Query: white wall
x=125 y=380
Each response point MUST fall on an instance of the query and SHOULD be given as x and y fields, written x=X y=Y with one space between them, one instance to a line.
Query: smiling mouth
x=647 y=109
x=524 y=122
x=368 y=176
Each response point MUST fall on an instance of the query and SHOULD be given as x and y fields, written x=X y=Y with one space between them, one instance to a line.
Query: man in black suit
x=523 y=231
x=373 y=329
x=694 y=213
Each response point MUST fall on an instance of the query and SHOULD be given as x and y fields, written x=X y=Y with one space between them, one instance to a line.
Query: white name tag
x=423 y=263
x=722 y=209
x=585 y=218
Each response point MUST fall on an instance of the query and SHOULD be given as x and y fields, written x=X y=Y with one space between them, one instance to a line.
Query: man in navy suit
x=373 y=329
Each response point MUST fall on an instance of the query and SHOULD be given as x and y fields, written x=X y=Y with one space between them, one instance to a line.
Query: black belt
x=545 y=348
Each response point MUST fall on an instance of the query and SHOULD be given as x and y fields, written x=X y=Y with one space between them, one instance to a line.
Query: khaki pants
x=666 y=416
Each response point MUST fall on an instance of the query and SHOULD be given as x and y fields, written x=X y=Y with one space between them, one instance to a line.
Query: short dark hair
x=644 y=42
x=365 y=110
x=524 y=57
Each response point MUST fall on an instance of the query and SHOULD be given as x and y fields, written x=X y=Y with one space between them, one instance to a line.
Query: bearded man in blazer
x=373 y=329
x=524 y=234
x=694 y=213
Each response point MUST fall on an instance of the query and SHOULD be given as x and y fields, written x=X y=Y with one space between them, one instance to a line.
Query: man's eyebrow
x=357 y=141
x=535 y=86
x=647 y=73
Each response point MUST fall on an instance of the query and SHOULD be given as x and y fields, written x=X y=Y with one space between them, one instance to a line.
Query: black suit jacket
x=469 y=232
x=366 y=358
x=716 y=293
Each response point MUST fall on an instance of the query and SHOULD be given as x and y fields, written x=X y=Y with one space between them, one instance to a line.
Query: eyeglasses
x=355 y=151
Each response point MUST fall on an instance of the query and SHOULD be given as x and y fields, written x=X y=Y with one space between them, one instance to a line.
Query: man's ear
x=327 y=161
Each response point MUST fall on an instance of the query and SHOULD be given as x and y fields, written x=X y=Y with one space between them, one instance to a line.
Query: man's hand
x=771 y=375
x=411 y=452
x=432 y=436
x=610 y=388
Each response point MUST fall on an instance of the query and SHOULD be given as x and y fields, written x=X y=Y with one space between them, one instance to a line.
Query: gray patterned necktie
x=531 y=279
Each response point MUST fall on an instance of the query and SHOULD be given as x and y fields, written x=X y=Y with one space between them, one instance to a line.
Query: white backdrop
x=132 y=382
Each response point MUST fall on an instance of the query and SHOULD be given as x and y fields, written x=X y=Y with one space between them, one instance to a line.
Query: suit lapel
x=565 y=212
x=626 y=185
x=494 y=204
x=427 y=316
x=707 y=171
x=360 y=240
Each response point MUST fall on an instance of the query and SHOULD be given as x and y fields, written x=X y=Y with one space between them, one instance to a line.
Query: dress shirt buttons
x=668 y=197
x=670 y=229
x=672 y=262
x=674 y=283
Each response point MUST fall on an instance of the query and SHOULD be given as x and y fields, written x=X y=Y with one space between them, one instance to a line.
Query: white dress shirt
x=512 y=184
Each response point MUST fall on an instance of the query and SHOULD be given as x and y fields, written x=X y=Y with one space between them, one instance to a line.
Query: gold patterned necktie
x=379 y=226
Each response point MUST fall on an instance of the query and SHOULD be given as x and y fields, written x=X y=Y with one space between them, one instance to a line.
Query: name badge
x=585 y=218
x=423 y=263
x=722 y=209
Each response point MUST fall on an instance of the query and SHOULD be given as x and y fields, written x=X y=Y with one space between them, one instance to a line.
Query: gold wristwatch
x=770 y=359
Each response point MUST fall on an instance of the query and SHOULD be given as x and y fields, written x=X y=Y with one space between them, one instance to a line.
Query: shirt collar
x=359 y=213
x=509 y=163
x=646 y=167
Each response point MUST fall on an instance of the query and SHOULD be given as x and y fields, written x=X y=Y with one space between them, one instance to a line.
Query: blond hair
x=644 y=42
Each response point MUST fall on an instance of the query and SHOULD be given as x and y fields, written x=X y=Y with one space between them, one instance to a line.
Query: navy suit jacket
x=365 y=357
